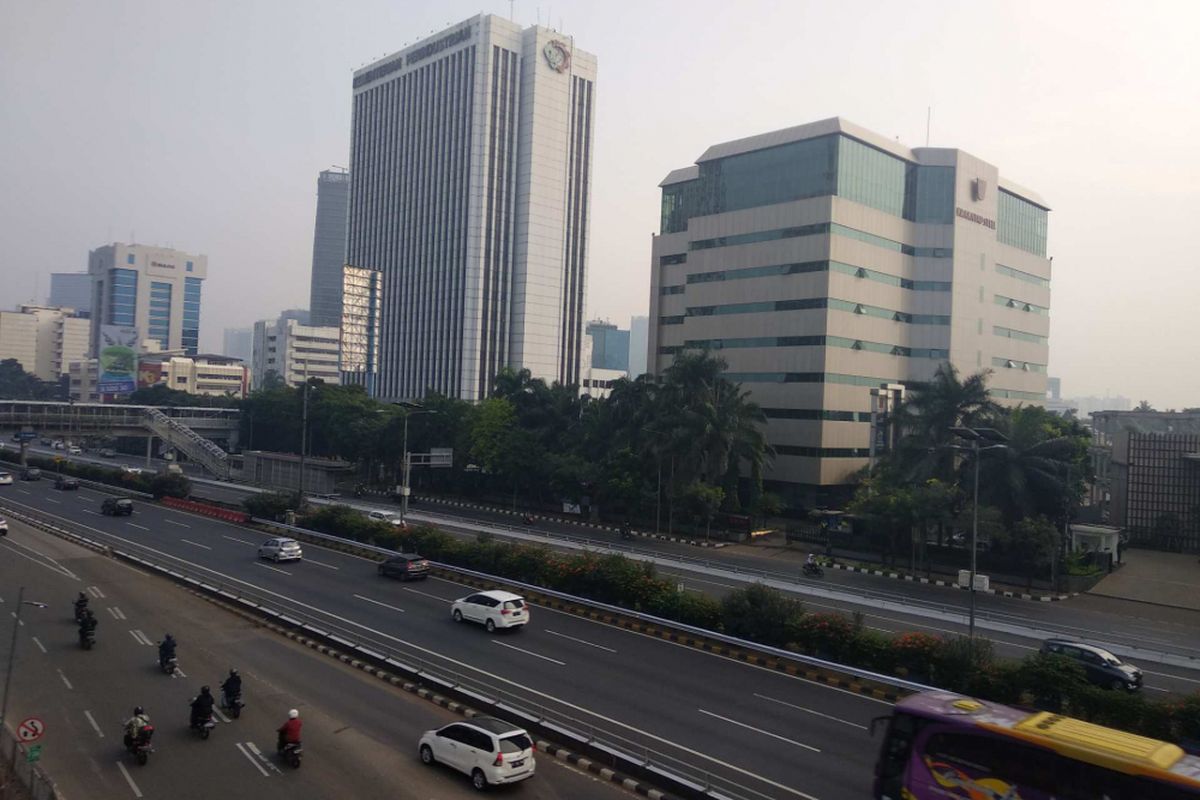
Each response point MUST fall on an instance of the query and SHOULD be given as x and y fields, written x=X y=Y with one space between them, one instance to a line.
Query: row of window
x=822 y=452
x=1028 y=277
x=1022 y=336
x=817 y=414
x=818 y=229
x=804 y=267
x=122 y=297
x=1021 y=305
x=1024 y=366
x=1021 y=224
x=809 y=377
x=807 y=341
x=810 y=303
x=1013 y=394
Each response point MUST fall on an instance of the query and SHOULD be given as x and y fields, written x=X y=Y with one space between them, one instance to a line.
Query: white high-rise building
x=44 y=339
x=293 y=351
x=155 y=290
x=470 y=168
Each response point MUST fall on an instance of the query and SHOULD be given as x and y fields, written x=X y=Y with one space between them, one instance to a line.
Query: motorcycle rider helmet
x=233 y=673
x=204 y=690
x=138 y=711
x=293 y=714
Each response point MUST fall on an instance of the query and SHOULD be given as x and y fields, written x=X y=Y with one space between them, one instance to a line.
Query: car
x=390 y=517
x=3 y=527
x=46 y=442
x=128 y=470
x=1102 y=667
x=31 y=474
x=406 y=566
x=58 y=444
x=116 y=507
x=65 y=482
x=280 y=549
x=490 y=750
x=107 y=452
x=74 y=450
x=6 y=479
x=492 y=609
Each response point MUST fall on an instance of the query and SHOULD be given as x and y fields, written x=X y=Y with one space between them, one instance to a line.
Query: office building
x=239 y=343
x=212 y=375
x=1153 y=483
x=301 y=315
x=825 y=260
x=153 y=290
x=44 y=339
x=292 y=351
x=470 y=170
x=596 y=381
x=71 y=290
x=610 y=346
x=639 y=334
x=84 y=380
x=362 y=302
x=329 y=248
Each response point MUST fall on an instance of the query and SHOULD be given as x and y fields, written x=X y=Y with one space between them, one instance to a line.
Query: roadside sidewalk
x=1150 y=576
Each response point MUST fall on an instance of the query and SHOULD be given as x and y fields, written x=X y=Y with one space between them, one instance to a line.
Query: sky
x=203 y=125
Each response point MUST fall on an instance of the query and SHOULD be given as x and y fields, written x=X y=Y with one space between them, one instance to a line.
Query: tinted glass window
x=515 y=744
x=515 y=604
x=454 y=732
x=479 y=740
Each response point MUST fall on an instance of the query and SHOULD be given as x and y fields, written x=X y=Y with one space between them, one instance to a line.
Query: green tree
x=702 y=502
x=17 y=384
x=492 y=427
x=1033 y=473
x=1033 y=540
x=931 y=410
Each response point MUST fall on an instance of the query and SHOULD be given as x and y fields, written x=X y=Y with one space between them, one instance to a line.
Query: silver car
x=280 y=550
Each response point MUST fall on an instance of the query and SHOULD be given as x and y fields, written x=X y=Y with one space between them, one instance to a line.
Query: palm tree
x=1031 y=475
x=931 y=410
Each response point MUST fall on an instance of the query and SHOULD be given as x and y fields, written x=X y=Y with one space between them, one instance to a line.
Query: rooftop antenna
x=928 y=122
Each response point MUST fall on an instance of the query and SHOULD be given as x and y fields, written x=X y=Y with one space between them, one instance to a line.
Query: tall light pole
x=410 y=409
x=12 y=649
x=975 y=436
x=303 y=438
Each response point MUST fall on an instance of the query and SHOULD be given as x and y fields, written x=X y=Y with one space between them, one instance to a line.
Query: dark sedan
x=406 y=566
x=1101 y=667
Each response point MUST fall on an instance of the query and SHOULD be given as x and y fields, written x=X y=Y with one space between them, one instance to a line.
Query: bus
x=945 y=745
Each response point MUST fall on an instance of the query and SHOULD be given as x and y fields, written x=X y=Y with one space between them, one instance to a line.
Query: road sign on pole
x=34 y=753
x=31 y=730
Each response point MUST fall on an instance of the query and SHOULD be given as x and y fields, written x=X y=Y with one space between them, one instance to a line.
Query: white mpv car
x=490 y=750
x=492 y=610
x=280 y=550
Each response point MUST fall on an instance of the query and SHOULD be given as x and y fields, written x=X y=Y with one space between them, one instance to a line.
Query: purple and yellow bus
x=944 y=745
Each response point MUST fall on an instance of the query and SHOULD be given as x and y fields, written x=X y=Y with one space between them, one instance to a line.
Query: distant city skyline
x=226 y=167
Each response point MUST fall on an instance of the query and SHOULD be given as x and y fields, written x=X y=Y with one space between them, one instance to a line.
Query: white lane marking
x=195 y=544
x=52 y=500
x=38 y=642
x=252 y=759
x=217 y=713
x=129 y=779
x=320 y=563
x=1169 y=675
x=95 y=727
x=22 y=491
x=179 y=673
x=120 y=614
x=689 y=578
x=54 y=566
x=530 y=653
x=135 y=525
x=581 y=641
x=89 y=511
x=376 y=602
x=427 y=594
x=136 y=638
x=275 y=569
x=20 y=622
x=66 y=682
x=235 y=539
x=760 y=730
x=810 y=711
x=1156 y=689
x=173 y=522
x=501 y=679
x=112 y=613
x=95 y=590
x=141 y=638
x=265 y=761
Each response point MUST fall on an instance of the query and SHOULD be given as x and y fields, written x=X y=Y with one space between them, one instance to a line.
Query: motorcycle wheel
x=142 y=758
x=294 y=760
x=204 y=733
x=236 y=711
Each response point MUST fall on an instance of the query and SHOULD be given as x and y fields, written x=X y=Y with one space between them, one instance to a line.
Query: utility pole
x=12 y=653
x=303 y=436
x=406 y=469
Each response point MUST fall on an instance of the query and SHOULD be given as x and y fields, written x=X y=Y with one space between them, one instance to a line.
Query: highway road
x=768 y=734
x=359 y=734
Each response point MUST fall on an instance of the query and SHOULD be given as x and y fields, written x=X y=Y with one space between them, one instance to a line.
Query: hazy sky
x=203 y=125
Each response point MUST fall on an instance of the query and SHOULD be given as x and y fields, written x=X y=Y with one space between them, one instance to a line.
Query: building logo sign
x=161 y=265
x=420 y=54
x=978 y=219
x=978 y=189
x=557 y=55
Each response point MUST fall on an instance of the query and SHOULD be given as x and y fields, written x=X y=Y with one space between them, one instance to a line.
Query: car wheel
x=277 y=558
x=1117 y=684
x=426 y=755
x=478 y=779
x=456 y=615
x=490 y=625
x=382 y=574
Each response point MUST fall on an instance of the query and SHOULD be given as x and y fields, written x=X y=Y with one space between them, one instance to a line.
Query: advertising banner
x=118 y=360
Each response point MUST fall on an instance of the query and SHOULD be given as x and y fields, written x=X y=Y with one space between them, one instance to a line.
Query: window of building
x=130 y=259
x=869 y=176
x=677 y=258
x=671 y=289
x=159 y=320
x=190 y=335
x=1023 y=276
x=1021 y=224
x=189 y=266
x=1009 y=333
x=122 y=297
x=1021 y=305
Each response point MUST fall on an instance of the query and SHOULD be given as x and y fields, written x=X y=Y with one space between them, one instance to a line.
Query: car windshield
x=514 y=604
x=1108 y=658
x=517 y=743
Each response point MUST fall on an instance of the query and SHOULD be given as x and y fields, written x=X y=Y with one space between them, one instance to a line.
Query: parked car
x=406 y=566
x=107 y=452
x=58 y=444
x=490 y=750
x=390 y=517
x=66 y=482
x=280 y=550
x=493 y=609
x=31 y=474
x=117 y=507
x=6 y=479
x=3 y=527
x=1102 y=667
x=74 y=450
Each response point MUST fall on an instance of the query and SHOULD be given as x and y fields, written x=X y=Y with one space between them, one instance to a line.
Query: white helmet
x=293 y=714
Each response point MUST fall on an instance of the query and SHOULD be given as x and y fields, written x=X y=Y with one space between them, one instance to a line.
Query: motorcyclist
x=166 y=649
x=81 y=604
x=811 y=561
x=202 y=706
x=231 y=688
x=289 y=732
x=134 y=725
x=626 y=531
x=87 y=624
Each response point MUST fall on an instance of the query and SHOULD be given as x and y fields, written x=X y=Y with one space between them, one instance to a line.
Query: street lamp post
x=12 y=649
x=410 y=409
x=975 y=436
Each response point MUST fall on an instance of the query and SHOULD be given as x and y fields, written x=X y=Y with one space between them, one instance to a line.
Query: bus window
x=893 y=757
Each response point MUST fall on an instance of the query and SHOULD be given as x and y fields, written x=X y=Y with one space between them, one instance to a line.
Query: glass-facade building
x=329 y=248
x=470 y=175
x=825 y=260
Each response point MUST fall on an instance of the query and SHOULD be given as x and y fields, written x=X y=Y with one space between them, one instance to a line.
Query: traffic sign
x=27 y=436
x=34 y=753
x=31 y=730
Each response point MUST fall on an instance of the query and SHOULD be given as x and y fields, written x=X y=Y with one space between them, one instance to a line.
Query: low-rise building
x=44 y=339
x=213 y=375
x=293 y=351
x=84 y=380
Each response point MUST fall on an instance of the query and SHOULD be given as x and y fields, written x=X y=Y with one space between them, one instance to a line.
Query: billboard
x=118 y=360
x=149 y=373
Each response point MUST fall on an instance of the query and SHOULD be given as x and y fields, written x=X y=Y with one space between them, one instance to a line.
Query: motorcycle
x=233 y=705
x=291 y=753
x=168 y=665
x=203 y=725
x=87 y=638
x=527 y=519
x=626 y=533
x=814 y=571
x=80 y=610
x=140 y=746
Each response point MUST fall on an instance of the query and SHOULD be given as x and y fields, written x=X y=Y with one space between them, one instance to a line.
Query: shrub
x=270 y=505
x=1049 y=680
x=761 y=614
x=825 y=634
x=169 y=485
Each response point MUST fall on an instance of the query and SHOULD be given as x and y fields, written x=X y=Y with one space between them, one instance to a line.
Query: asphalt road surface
x=763 y=733
x=359 y=735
